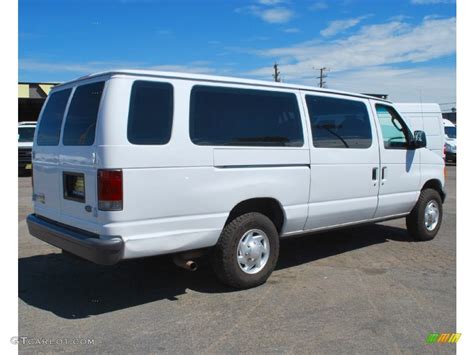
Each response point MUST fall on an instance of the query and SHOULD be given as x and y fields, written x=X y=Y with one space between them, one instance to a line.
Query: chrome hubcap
x=431 y=215
x=253 y=251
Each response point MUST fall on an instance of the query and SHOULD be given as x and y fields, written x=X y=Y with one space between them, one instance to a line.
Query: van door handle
x=374 y=174
x=383 y=172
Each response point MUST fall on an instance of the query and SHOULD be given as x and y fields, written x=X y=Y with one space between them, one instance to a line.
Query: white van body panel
x=335 y=199
x=432 y=167
x=178 y=196
x=400 y=178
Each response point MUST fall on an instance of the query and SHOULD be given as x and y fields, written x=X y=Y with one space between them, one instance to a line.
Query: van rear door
x=65 y=174
x=77 y=158
x=45 y=158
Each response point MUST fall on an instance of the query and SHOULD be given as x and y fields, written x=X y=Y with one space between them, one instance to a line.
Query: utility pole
x=322 y=76
x=276 y=74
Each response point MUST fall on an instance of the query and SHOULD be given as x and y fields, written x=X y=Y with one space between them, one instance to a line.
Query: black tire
x=416 y=219
x=224 y=257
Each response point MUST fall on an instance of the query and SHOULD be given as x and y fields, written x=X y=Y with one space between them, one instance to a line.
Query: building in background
x=31 y=97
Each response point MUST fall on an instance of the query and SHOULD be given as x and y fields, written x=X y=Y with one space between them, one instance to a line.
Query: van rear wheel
x=424 y=221
x=247 y=251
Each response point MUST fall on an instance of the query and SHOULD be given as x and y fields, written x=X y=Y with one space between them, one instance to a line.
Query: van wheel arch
x=267 y=206
x=435 y=184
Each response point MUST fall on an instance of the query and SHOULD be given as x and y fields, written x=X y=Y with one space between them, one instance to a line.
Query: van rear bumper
x=81 y=243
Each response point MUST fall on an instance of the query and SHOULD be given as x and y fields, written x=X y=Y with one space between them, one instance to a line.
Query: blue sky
x=404 y=48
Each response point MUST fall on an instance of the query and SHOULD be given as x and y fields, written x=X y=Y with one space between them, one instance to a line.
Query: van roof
x=217 y=79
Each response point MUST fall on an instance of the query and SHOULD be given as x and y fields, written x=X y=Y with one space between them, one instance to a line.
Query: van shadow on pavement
x=73 y=289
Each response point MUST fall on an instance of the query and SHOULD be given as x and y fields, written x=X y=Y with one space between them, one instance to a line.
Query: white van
x=131 y=164
x=426 y=117
x=451 y=141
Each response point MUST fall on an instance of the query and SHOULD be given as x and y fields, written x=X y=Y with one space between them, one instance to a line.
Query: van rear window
x=49 y=128
x=244 y=117
x=151 y=113
x=81 y=119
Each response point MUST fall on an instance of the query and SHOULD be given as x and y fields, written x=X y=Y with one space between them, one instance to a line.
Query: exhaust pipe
x=186 y=264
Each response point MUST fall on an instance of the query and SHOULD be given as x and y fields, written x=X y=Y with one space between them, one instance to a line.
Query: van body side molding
x=254 y=166
x=261 y=157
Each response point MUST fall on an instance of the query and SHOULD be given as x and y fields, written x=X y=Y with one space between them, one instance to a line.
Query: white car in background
x=26 y=134
x=450 y=139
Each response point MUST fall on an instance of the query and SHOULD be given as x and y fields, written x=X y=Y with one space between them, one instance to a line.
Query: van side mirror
x=419 y=140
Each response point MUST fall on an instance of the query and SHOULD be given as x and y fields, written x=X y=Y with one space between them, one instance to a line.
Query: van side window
x=339 y=123
x=244 y=117
x=81 y=119
x=49 y=129
x=150 y=114
x=395 y=132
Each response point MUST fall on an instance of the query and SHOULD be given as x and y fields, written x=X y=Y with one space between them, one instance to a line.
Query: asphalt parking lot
x=364 y=290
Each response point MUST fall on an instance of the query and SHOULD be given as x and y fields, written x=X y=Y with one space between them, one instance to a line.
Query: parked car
x=149 y=163
x=451 y=141
x=26 y=133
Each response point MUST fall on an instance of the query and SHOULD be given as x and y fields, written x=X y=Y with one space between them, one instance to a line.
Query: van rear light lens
x=110 y=190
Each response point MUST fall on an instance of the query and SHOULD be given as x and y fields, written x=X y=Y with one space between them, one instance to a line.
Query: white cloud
x=338 y=26
x=430 y=2
x=363 y=61
x=379 y=44
x=399 y=18
x=321 y=5
x=402 y=85
x=277 y=14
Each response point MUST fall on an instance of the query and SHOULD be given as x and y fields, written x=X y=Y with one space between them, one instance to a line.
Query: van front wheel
x=247 y=251
x=424 y=221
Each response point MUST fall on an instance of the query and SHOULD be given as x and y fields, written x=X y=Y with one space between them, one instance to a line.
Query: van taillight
x=110 y=190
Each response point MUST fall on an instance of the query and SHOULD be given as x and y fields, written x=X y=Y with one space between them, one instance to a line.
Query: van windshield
x=26 y=134
x=450 y=132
